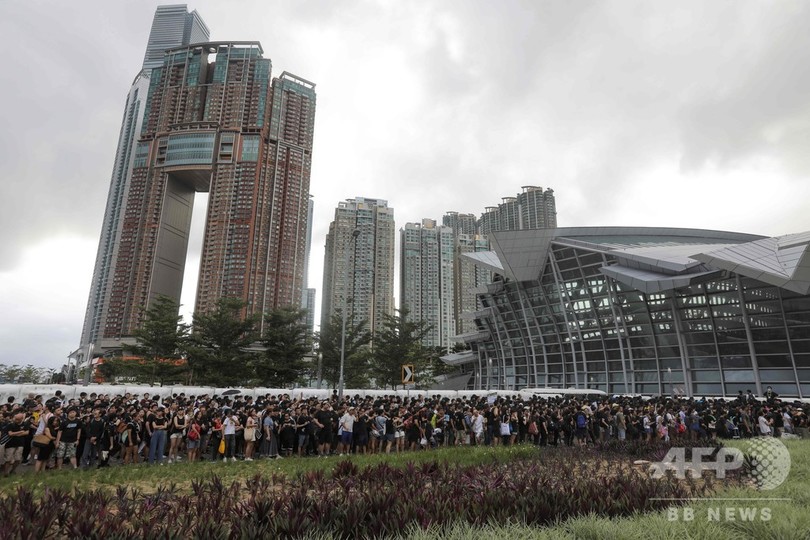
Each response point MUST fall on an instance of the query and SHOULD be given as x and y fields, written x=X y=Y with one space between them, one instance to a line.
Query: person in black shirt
x=17 y=431
x=302 y=421
x=68 y=439
x=94 y=428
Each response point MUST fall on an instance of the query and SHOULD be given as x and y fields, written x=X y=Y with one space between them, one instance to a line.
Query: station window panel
x=674 y=363
x=730 y=349
x=732 y=389
x=643 y=352
x=774 y=360
x=739 y=361
x=739 y=376
x=645 y=364
x=648 y=388
x=665 y=340
x=768 y=334
x=617 y=366
x=705 y=376
x=706 y=362
x=799 y=332
x=800 y=346
x=704 y=389
x=668 y=351
x=699 y=338
x=771 y=347
x=768 y=376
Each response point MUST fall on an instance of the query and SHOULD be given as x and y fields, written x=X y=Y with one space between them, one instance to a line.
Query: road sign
x=407 y=374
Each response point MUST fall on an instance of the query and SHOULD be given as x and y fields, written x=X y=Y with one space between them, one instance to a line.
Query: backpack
x=582 y=422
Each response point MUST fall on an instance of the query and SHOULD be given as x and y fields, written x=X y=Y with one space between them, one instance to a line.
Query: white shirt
x=478 y=424
x=347 y=423
x=229 y=425
x=764 y=428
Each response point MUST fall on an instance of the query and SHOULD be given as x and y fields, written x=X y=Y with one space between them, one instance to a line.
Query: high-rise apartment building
x=214 y=120
x=468 y=277
x=308 y=297
x=460 y=223
x=533 y=208
x=173 y=26
x=426 y=279
x=538 y=209
x=359 y=262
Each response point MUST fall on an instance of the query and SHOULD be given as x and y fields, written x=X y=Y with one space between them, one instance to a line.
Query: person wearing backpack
x=582 y=425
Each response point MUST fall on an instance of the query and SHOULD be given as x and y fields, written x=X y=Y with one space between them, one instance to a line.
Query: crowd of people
x=95 y=430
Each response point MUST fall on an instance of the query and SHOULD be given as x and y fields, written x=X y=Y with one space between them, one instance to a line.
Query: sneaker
x=178 y=458
x=170 y=461
x=248 y=459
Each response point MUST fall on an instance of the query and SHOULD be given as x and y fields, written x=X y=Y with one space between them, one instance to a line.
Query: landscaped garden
x=503 y=492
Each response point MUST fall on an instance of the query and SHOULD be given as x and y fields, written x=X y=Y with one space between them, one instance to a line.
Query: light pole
x=355 y=234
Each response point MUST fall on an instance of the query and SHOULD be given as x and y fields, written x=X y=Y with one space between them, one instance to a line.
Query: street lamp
x=355 y=234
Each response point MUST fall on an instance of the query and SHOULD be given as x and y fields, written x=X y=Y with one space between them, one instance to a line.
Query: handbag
x=222 y=446
x=41 y=440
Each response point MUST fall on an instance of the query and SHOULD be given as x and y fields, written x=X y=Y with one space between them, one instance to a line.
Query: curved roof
x=654 y=259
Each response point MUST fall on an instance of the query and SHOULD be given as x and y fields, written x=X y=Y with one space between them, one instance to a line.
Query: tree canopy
x=357 y=357
x=160 y=347
x=286 y=341
x=399 y=342
x=219 y=347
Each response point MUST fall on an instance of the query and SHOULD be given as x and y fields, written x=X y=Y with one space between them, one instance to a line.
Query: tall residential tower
x=173 y=26
x=426 y=279
x=214 y=121
x=359 y=263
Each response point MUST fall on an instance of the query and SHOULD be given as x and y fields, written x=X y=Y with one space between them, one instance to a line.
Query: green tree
x=286 y=341
x=399 y=342
x=218 y=352
x=160 y=346
x=23 y=374
x=357 y=357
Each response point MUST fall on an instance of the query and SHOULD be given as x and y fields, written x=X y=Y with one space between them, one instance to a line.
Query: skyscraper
x=460 y=223
x=533 y=208
x=359 y=262
x=426 y=279
x=172 y=26
x=467 y=278
x=214 y=120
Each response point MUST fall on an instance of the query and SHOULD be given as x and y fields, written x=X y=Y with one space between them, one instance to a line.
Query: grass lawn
x=787 y=519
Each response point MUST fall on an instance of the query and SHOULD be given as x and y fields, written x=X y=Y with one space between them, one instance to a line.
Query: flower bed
x=349 y=502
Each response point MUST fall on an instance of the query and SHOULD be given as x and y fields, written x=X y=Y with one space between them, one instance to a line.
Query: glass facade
x=191 y=149
x=574 y=325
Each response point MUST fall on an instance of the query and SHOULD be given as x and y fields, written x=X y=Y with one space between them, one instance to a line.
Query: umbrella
x=231 y=392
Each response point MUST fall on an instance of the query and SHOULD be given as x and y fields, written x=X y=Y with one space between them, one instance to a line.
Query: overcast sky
x=684 y=114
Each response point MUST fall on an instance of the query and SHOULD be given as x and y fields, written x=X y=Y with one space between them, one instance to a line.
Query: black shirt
x=95 y=427
x=70 y=430
x=17 y=440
